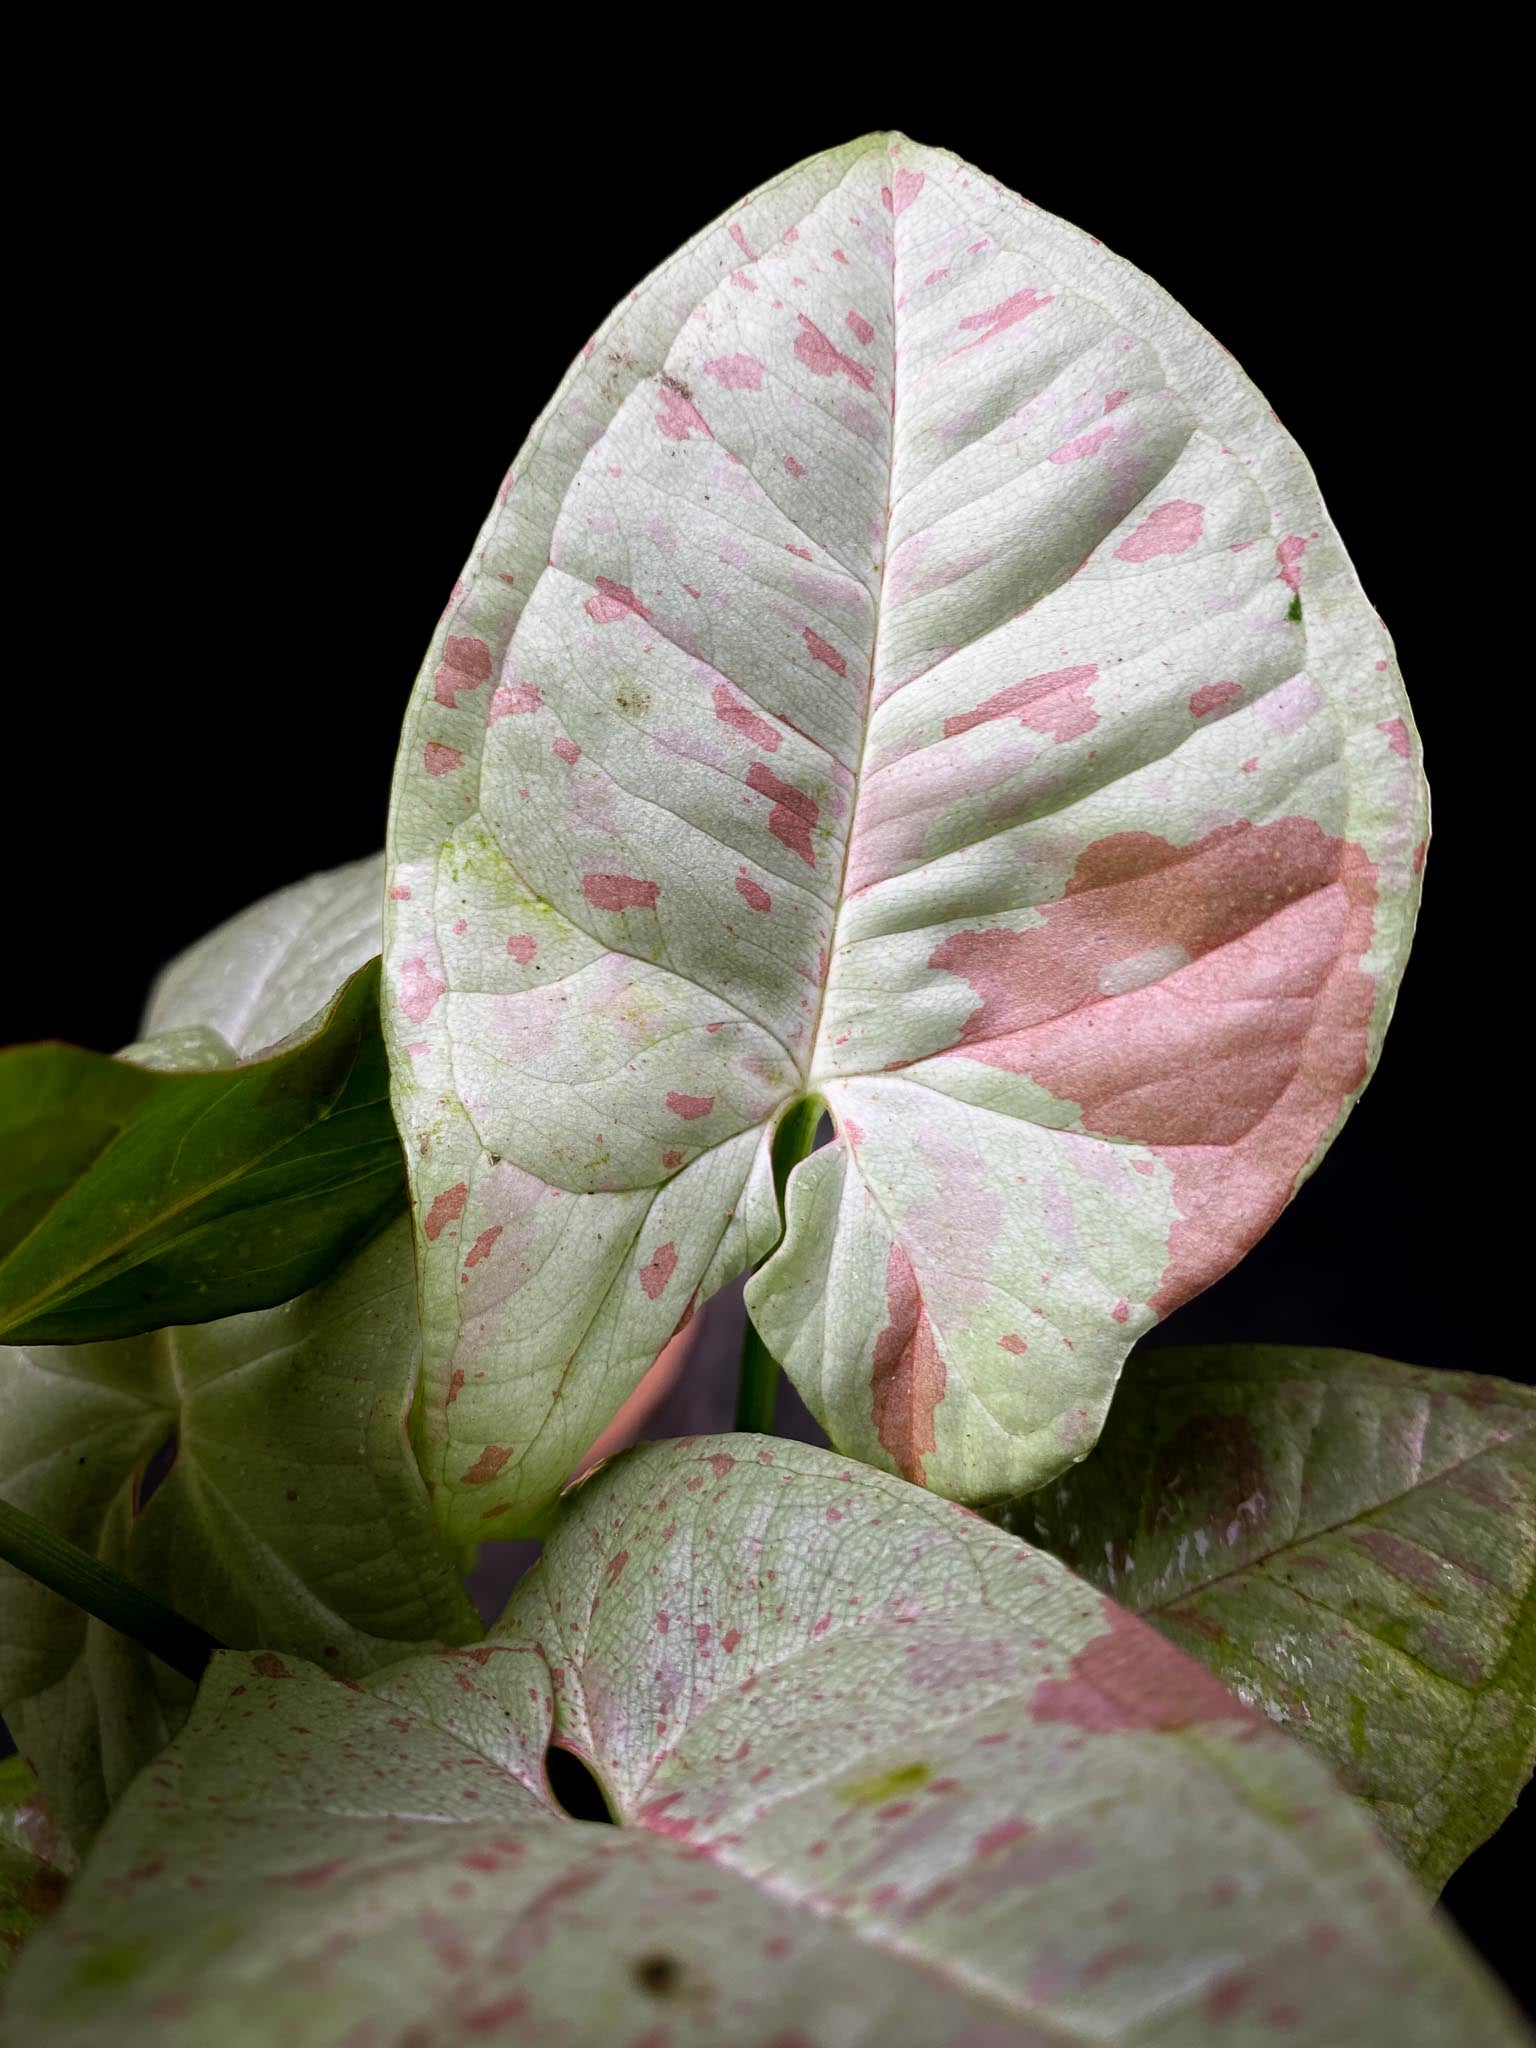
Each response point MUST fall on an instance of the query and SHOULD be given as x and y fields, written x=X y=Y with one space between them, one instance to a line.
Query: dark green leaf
x=136 y=1198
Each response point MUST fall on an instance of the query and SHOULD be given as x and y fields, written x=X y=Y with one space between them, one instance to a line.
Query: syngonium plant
x=909 y=684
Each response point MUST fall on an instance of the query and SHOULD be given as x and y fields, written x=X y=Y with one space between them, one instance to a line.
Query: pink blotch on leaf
x=441 y=760
x=998 y=319
x=1170 y=530
x=1056 y=703
x=613 y=601
x=619 y=892
x=902 y=190
x=793 y=814
x=679 y=418
x=824 y=652
x=1211 y=696
x=1397 y=735
x=446 y=1208
x=1084 y=446
x=487 y=1465
x=740 y=717
x=513 y=700
x=753 y=894
x=907 y=1377
x=419 y=990
x=655 y=1275
x=736 y=373
x=1288 y=554
x=1013 y=1342
x=481 y=1248
x=861 y=329
x=522 y=948
x=466 y=665
x=690 y=1107
x=823 y=358
x=1130 y=1679
x=796 y=469
x=566 y=750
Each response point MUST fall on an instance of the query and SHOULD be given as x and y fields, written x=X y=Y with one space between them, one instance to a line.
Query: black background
x=282 y=349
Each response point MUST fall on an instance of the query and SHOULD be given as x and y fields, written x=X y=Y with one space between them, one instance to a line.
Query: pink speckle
x=455 y=1388
x=566 y=750
x=822 y=651
x=861 y=329
x=900 y=193
x=1397 y=735
x=655 y=1275
x=1170 y=530
x=1121 y=1312
x=796 y=469
x=1000 y=1836
x=690 y=1107
x=447 y=1208
x=1211 y=696
x=522 y=948
x=908 y=1374
x=419 y=990
x=1013 y=1342
x=753 y=894
x=736 y=373
x=399 y=893
x=679 y=418
x=619 y=892
x=823 y=358
x=730 y=711
x=481 y=1249
x=1112 y=399
x=823 y=1623
x=793 y=813
x=672 y=1159
x=513 y=700
x=1288 y=554
x=613 y=601
x=730 y=1639
x=1129 y=1678
x=615 y=1570
x=441 y=760
x=738 y=236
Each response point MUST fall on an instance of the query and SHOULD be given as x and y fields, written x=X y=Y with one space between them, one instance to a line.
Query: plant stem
x=65 y=1568
x=755 y=1390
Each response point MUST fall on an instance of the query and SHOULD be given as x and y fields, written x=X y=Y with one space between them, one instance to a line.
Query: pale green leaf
x=34 y=1862
x=908 y=664
x=1350 y=1545
x=883 y=1775
x=293 y=1512
x=262 y=974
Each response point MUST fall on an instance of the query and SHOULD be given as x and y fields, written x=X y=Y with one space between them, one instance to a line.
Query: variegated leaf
x=883 y=1775
x=907 y=665
x=1348 y=1543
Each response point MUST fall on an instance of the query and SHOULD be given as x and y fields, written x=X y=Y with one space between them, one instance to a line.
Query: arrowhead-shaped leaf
x=139 y=1195
x=1350 y=1545
x=293 y=1511
x=908 y=664
x=882 y=1775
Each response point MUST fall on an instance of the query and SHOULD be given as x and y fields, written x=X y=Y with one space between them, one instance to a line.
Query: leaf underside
x=912 y=1783
x=908 y=664
x=1348 y=1543
x=143 y=1195
x=32 y=1860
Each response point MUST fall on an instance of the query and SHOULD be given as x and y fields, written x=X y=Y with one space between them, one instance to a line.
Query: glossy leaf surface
x=141 y=1195
x=908 y=664
x=293 y=1511
x=883 y=1775
x=1350 y=1545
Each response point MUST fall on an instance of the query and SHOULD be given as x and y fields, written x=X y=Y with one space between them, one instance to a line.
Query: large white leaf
x=268 y=970
x=907 y=1783
x=908 y=664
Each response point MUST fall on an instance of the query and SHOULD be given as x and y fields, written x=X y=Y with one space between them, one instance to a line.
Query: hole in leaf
x=659 y=1974
x=575 y=1790
x=156 y=1470
x=825 y=1132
